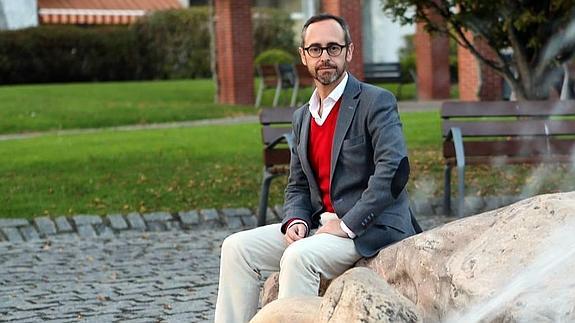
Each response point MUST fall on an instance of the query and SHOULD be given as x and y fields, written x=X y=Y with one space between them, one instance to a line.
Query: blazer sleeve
x=391 y=164
x=297 y=200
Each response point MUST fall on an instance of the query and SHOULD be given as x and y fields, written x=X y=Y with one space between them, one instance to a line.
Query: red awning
x=99 y=12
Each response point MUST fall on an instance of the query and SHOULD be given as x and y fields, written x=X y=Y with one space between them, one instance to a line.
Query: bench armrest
x=286 y=137
x=455 y=134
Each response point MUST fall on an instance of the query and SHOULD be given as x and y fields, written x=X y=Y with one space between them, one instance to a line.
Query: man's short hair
x=326 y=16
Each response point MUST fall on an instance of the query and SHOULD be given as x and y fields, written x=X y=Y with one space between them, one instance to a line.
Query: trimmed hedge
x=170 y=44
x=66 y=54
x=274 y=56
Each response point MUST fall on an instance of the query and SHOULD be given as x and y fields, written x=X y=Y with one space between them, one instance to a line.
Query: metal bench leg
x=294 y=93
x=278 y=93
x=461 y=191
x=260 y=93
x=262 y=210
x=447 y=191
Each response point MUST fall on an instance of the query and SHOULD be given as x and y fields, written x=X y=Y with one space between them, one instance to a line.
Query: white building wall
x=382 y=38
x=18 y=14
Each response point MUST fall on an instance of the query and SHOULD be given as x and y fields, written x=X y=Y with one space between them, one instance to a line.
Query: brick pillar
x=350 y=10
x=234 y=51
x=477 y=82
x=432 y=56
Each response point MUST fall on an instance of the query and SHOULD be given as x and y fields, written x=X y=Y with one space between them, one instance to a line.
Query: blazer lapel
x=303 y=149
x=344 y=118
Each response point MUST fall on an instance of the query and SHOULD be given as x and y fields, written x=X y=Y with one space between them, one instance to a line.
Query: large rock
x=360 y=295
x=289 y=310
x=270 y=289
x=511 y=264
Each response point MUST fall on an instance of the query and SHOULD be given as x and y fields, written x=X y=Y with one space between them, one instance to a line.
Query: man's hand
x=332 y=227
x=294 y=233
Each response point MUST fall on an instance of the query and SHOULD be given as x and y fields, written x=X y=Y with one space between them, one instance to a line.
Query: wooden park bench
x=384 y=73
x=277 y=140
x=504 y=132
x=282 y=76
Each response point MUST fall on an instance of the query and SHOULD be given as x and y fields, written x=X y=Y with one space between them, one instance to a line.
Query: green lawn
x=27 y=108
x=189 y=168
x=94 y=105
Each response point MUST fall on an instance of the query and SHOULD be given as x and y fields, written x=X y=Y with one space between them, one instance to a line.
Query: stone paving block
x=45 y=226
x=29 y=233
x=62 y=224
x=228 y=212
x=157 y=216
x=233 y=222
x=86 y=231
x=173 y=225
x=189 y=218
x=117 y=222
x=12 y=234
x=13 y=223
x=136 y=222
x=210 y=215
x=156 y=226
x=249 y=221
x=86 y=219
x=105 y=232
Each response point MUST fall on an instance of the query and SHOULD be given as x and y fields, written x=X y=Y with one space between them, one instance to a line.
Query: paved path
x=404 y=106
x=135 y=277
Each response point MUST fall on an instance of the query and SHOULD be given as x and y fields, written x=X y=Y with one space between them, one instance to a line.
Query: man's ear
x=302 y=56
x=349 y=52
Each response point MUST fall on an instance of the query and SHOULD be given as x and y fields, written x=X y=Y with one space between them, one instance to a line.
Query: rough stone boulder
x=360 y=295
x=269 y=292
x=513 y=264
x=289 y=310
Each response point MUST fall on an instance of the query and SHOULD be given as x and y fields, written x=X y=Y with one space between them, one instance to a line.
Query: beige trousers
x=248 y=253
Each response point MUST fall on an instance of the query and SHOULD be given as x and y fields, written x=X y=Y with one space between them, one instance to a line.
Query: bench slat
x=512 y=160
x=269 y=134
x=507 y=108
x=276 y=115
x=279 y=156
x=482 y=128
x=533 y=148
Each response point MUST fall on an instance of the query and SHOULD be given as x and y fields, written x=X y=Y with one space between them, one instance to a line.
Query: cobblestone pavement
x=132 y=277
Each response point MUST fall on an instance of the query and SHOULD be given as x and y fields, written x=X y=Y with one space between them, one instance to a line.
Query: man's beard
x=327 y=77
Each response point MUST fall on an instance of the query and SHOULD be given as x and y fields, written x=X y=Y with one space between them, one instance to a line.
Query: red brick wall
x=234 y=51
x=477 y=82
x=432 y=55
x=350 y=10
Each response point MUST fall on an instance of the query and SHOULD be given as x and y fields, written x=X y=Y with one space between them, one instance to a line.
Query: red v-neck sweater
x=319 y=152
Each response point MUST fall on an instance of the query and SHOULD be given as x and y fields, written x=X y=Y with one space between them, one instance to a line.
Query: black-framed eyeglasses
x=333 y=50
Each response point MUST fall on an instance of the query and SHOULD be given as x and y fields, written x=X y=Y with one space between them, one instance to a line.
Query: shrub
x=175 y=43
x=274 y=56
x=273 y=29
x=66 y=54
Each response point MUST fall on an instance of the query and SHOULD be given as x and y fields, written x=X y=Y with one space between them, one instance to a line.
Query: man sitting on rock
x=348 y=173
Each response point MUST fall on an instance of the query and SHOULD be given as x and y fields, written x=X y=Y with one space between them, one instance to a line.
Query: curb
x=429 y=212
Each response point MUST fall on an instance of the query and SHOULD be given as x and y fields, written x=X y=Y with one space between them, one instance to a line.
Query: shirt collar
x=329 y=101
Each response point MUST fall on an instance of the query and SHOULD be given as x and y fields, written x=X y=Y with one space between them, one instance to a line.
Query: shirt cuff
x=296 y=221
x=345 y=229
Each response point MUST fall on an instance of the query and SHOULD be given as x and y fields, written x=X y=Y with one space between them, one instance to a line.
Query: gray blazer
x=369 y=170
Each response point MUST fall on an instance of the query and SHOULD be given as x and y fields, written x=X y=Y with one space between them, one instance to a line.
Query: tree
x=530 y=39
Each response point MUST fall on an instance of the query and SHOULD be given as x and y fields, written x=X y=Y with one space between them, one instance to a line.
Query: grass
x=183 y=169
x=94 y=105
